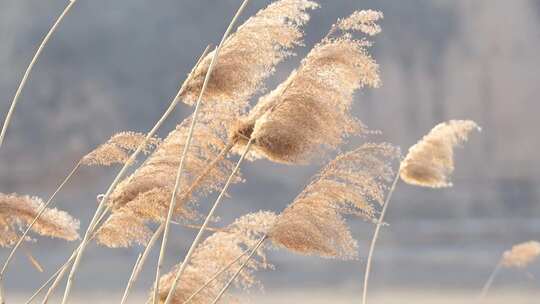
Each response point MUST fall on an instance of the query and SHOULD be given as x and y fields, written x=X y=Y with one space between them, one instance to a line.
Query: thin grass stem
x=231 y=280
x=29 y=70
x=489 y=282
x=375 y=236
x=205 y=224
x=172 y=204
x=117 y=179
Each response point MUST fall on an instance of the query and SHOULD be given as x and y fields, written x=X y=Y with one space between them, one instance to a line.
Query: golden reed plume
x=311 y=109
x=430 y=162
x=250 y=54
x=116 y=150
x=216 y=253
x=18 y=209
x=521 y=255
x=353 y=183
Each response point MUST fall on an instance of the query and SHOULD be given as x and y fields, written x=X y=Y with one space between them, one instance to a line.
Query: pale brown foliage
x=148 y=191
x=363 y=21
x=123 y=229
x=17 y=210
x=214 y=254
x=116 y=149
x=353 y=183
x=430 y=162
x=250 y=54
x=311 y=109
x=521 y=255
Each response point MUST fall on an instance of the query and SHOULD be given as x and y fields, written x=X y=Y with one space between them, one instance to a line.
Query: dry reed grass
x=18 y=209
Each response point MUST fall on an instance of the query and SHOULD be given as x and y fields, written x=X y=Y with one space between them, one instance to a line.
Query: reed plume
x=519 y=256
x=123 y=229
x=353 y=183
x=147 y=192
x=215 y=253
x=116 y=150
x=430 y=162
x=311 y=109
x=250 y=54
x=18 y=209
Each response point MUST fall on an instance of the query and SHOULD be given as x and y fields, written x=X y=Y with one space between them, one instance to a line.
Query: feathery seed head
x=521 y=255
x=250 y=54
x=311 y=109
x=123 y=229
x=215 y=253
x=353 y=183
x=430 y=162
x=16 y=210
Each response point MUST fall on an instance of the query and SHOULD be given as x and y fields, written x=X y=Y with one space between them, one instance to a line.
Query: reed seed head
x=353 y=183
x=430 y=162
x=250 y=54
x=521 y=255
x=18 y=210
x=311 y=109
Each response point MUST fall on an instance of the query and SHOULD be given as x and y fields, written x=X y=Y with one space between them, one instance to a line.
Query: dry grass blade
x=250 y=54
x=17 y=209
x=353 y=183
x=216 y=253
x=311 y=109
x=430 y=162
x=29 y=69
x=116 y=150
x=102 y=208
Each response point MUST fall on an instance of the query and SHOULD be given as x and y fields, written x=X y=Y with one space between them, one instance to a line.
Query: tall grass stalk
x=131 y=277
x=231 y=280
x=29 y=70
x=205 y=224
x=40 y=212
x=490 y=280
x=375 y=237
x=172 y=204
x=215 y=276
x=118 y=178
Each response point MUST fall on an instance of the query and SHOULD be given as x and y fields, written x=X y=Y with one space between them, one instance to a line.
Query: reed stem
x=205 y=224
x=375 y=236
x=489 y=282
x=252 y=253
x=172 y=204
x=29 y=70
x=119 y=176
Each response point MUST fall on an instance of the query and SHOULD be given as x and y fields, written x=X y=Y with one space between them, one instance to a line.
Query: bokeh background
x=114 y=65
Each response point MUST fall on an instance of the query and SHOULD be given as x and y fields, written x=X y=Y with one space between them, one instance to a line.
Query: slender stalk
x=131 y=278
x=215 y=276
x=46 y=283
x=172 y=204
x=375 y=236
x=38 y=215
x=252 y=253
x=205 y=224
x=117 y=179
x=29 y=69
x=65 y=267
x=138 y=266
x=489 y=281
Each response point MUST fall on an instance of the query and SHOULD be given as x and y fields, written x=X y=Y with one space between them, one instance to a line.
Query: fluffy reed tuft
x=430 y=162
x=363 y=21
x=147 y=192
x=123 y=229
x=311 y=108
x=521 y=255
x=217 y=252
x=116 y=149
x=16 y=210
x=250 y=54
x=353 y=183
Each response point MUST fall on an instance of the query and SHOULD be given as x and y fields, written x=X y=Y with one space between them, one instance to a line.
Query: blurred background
x=114 y=65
